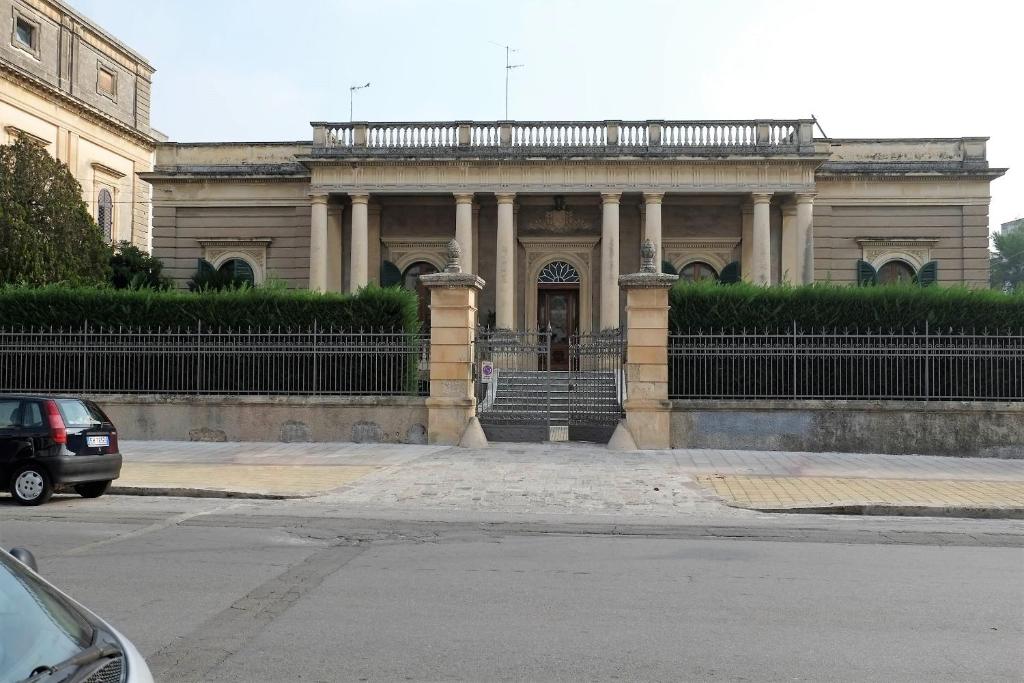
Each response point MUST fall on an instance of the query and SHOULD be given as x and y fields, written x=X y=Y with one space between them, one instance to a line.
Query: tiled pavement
x=787 y=493
x=571 y=478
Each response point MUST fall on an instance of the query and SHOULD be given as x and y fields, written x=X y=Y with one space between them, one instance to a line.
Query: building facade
x=551 y=213
x=84 y=96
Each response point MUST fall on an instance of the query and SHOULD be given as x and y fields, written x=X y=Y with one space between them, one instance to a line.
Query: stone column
x=792 y=253
x=610 y=260
x=504 y=271
x=805 y=234
x=373 y=246
x=360 y=266
x=747 y=241
x=464 y=229
x=761 y=244
x=648 y=410
x=451 y=407
x=318 y=243
x=335 y=215
x=652 y=224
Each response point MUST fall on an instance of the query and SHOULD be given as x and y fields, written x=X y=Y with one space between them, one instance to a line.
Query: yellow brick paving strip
x=283 y=480
x=768 y=492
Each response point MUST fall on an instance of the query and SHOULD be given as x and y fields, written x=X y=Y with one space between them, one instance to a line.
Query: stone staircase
x=529 y=405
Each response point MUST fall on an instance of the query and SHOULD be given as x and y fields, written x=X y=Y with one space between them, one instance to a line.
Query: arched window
x=558 y=273
x=105 y=214
x=411 y=281
x=239 y=269
x=896 y=272
x=698 y=271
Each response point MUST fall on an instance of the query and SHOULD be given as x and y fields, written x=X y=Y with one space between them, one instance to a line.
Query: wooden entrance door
x=559 y=309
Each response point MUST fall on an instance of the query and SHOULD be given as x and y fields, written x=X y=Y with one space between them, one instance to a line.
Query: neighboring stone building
x=1016 y=224
x=550 y=213
x=84 y=95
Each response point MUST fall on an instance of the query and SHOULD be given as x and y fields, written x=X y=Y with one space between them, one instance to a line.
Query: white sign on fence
x=486 y=370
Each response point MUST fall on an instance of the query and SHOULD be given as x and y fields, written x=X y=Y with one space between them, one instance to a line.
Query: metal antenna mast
x=352 y=97
x=508 y=69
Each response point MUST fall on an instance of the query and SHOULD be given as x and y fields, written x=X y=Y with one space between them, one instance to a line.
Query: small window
x=238 y=269
x=698 y=271
x=25 y=33
x=10 y=414
x=105 y=213
x=31 y=414
x=106 y=82
x=896 y=272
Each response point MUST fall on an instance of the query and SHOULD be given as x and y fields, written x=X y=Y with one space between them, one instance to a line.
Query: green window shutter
x=731 y=273
x=390 y=275
x=866 y=273
x=929 y=274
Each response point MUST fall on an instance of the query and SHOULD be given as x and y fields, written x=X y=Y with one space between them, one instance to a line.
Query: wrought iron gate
x=521 y=397
x=518 y=398
x=596 y=385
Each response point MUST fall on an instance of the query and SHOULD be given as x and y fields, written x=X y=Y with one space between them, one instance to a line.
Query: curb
x=901 y=511
x=198 y=493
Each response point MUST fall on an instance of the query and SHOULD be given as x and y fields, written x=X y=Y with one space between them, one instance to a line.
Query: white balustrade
x=564 y=134
x=484 y=135
x=422 y=135
x=339 y=135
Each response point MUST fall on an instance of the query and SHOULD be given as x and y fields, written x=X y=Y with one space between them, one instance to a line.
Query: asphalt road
x=216 y=590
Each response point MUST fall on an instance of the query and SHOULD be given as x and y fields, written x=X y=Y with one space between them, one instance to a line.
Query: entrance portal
x=558 y=308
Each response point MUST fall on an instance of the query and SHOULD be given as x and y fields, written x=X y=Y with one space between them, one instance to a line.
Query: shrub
x=207 y=278
x=132 y=268
x=705 y=306
x=372 y=308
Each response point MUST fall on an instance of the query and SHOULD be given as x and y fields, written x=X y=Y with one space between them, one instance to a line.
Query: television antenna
x=508 y=69
x=352 y=97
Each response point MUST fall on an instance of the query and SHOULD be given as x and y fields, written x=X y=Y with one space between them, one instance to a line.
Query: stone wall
x=976 y=429
x=363 y=419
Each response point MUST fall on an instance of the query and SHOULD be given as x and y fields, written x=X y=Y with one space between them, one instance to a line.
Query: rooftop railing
x=762 y=135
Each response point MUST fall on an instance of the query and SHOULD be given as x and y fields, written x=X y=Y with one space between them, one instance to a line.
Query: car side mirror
x=26 y=557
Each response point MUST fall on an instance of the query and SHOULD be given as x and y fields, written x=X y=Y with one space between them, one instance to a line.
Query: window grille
x=105 y=214
x=558 y=272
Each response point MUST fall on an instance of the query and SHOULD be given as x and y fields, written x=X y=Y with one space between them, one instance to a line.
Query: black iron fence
x=785 y=364
x=313 y=361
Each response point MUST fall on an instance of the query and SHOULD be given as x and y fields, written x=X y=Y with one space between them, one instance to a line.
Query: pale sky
x=230 y=70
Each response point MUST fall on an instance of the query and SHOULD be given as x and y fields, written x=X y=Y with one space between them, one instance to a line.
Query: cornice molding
x=112 y=172
x=103 y=120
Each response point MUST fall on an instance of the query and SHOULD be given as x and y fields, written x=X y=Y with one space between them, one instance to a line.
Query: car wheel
x=31 y=485
x=92 y=489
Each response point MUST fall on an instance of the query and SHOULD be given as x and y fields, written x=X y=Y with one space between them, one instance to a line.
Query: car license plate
x=97 y=441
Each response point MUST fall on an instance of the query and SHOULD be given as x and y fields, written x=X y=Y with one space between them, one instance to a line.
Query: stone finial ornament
x=647 y=253
x=454 y=258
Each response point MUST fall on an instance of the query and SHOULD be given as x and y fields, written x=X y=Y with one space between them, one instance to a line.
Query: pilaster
x=360 y=265
x=805 y=234
x=504 y=274
x=761 y=254
x=648 y=410
x=451 y=407
x=610 y=260
x=792 y=249
x=318 y=243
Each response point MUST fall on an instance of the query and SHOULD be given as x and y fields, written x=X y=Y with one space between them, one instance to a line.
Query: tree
x=132 y=268
x=46 y=232
x=1008 y=259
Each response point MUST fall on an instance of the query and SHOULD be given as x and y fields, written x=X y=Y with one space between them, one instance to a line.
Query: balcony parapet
x=564 y=138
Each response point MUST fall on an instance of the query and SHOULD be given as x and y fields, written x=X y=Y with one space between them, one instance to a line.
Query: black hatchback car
x=49 y=442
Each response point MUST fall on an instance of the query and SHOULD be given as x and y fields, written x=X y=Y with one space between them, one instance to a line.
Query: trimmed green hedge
x=706 y=306
x=372 y=308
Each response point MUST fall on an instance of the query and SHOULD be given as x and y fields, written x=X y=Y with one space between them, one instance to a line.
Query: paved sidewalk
x=580 y=479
